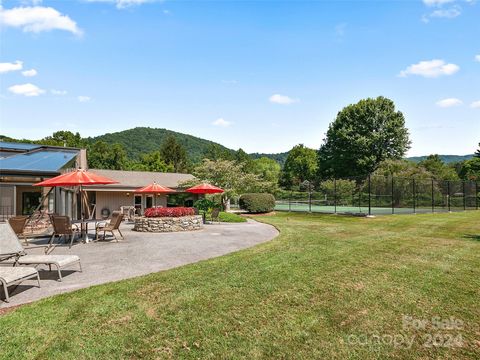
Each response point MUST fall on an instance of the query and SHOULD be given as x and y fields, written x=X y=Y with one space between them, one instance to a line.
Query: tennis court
x=321 y=206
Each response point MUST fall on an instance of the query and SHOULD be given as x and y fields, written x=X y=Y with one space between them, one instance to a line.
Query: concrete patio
x=138 y=254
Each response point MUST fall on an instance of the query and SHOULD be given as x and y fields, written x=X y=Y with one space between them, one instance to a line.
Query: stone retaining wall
x=168 y=224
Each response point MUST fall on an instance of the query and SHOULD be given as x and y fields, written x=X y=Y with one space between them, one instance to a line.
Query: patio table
x=84 y=227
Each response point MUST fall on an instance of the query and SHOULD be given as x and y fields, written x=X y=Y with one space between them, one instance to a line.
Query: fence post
x=464 y=198
x=335 y=194
x=393 y=204
x=433 y=199
x=369 y=195
x=476 y=195
x=309 y=198
x=290 y=201
x=448 y=195
x=414 y=196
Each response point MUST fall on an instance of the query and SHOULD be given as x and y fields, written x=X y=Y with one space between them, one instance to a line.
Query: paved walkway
x=140 y=254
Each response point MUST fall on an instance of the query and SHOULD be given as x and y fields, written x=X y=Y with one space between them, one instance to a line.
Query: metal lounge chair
x=110 y=226
x=15 y=275
x=18 y=225
x=11 y=250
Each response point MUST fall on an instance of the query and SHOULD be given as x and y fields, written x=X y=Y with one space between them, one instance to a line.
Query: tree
x=64 y=138
x=216 y=152
x=301 y=165
x=104 y=156
x=470 y=169
x=267 y=169
x=402 y=169
x=438 y=169
x=241 y=157
x=361 y=137
x=230 y=177
x=174 y=154
x=152 y=162
x=477 y=153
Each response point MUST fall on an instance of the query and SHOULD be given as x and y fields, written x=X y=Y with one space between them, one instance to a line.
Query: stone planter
x=168 y=224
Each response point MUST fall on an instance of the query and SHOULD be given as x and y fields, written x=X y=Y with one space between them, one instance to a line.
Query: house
x=22 y=165
x=107 y=198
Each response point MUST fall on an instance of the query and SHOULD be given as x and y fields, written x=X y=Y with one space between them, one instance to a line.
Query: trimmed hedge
x=169 y=212
x=257 y=202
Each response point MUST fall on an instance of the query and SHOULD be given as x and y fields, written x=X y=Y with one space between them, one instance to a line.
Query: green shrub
x=257 y=202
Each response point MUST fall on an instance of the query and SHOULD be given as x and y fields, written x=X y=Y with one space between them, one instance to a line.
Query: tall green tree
x=104 y=156
x=174 y=154
x=477 y=153
x=241 y=157
x=64 y=138
x=438 y=169
x=152 y=161
x=361 y=137
x=470 y=169
x=301 y=165
x=216 y=152
x=268 y=169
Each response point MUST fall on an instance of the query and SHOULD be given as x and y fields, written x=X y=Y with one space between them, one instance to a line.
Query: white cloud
x=477 y=58
x=449 y=102
x=26 y=90
x=122 y=4
x=475 y=104
x=221 y=122
x=436 y=2
x=83 y=98
x=58 y=92
x=430 y=69
x=450 y=13
x=282 y=99
x=7 y=67
x=37 y=19
x=29 y=73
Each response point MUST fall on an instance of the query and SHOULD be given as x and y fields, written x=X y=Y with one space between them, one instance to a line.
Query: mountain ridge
x=141 y=140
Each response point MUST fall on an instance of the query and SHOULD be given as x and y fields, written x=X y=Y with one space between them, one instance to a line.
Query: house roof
x=43 y=160
x=4 y=145
x=130 y=180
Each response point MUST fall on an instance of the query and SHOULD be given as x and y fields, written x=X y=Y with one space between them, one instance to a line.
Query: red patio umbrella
x=78 y=177
x=205 y=189
x=154 y=189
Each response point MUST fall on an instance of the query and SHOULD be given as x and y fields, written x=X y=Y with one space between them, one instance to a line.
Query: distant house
x=22 y=165
x=108 y=198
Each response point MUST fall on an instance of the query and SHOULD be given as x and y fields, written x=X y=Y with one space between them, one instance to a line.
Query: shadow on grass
x=472 y=237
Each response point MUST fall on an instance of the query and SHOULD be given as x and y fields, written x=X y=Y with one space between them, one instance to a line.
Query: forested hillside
x=142 y=140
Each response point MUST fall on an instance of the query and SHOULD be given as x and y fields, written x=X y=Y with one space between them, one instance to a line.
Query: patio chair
x=15 y=275
x=12 y=252
x=62 y=227
x=110 y=226
x=214 y=215
x=18 y=225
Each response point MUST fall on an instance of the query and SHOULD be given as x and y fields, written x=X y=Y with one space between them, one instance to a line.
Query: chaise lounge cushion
x=12 y=274
x=60 y=260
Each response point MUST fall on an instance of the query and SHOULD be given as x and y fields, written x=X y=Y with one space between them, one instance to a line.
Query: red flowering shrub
x=169 y=212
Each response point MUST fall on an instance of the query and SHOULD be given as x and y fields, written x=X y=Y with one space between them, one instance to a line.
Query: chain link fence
x=380 y=195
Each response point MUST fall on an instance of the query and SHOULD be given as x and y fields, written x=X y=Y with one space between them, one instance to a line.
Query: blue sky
x=261 y=75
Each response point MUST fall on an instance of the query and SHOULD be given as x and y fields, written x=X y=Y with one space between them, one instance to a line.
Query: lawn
x=328 y=287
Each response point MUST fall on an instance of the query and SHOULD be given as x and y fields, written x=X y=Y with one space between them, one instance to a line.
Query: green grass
x=301 y=295
x=230 y=218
